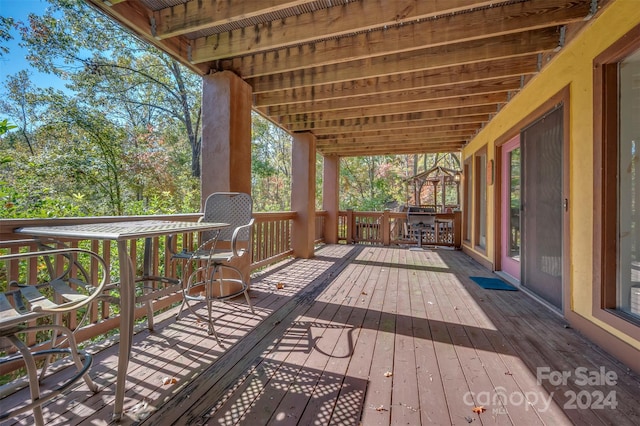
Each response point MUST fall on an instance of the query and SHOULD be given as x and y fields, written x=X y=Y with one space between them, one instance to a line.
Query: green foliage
x=125 y=138
x=5 y=126
x=270 y=166
x=6 y=23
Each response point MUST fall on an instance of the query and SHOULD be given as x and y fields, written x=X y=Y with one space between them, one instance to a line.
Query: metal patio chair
x=218 y=255
x=57 y=282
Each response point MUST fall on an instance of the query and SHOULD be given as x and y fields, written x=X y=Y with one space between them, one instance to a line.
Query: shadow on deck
x=364 y=335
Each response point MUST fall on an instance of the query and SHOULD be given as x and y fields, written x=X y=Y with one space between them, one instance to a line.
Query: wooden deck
x=364 y=335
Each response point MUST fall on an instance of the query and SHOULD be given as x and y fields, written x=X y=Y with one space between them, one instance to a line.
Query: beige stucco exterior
x=573 y=68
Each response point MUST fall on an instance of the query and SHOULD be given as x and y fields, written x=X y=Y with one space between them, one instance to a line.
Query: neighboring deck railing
x=390 y=228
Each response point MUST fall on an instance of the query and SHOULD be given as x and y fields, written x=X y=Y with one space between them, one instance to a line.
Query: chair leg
x=246 y=295
x=54 y=337
x=32 y=373
x=211 y=327
x=184 y=300
x=73 y=348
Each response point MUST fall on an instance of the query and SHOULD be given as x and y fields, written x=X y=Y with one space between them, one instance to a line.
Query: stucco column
x=330 y=194
x=226 y=140
x=226 y=134
x=303 y=192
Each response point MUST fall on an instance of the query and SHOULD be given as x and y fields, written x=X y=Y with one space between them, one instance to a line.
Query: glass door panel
x=510 y=193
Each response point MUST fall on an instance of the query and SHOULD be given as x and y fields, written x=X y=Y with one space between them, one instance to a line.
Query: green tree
x=371 y=183
x=132 y=81
x=270 y=166
x=20 y=105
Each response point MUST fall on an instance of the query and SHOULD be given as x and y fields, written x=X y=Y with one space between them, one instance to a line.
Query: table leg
x=127 y=306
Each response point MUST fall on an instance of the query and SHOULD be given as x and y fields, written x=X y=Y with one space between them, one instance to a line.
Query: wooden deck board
x=405 y=396
x=317 y=351
x=430 y=388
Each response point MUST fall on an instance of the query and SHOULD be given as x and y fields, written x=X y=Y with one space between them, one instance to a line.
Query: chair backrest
x=70 y=285
x=234 y=208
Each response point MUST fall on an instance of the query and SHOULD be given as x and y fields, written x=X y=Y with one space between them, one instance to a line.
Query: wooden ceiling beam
x=493 y=99
x=332 y=22
x=398 y=121
x=376 y=36
x=392 y=139
x=393 y=126
x=499 y=85
x=399 y=149
x=194 y=16
x=524 y=44
x=457 y=74
x=422 y=131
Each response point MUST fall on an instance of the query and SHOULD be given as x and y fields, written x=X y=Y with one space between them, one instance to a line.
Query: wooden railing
x=271 y=243
x=320 y=225
x=271 y=238
x=390 y=228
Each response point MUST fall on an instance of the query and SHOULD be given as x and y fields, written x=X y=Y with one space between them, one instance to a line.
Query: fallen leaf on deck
x=479 y=410
x=364 y=293
x=279 y=286
x=388 y=374
x=169 y=380
x=381 y=408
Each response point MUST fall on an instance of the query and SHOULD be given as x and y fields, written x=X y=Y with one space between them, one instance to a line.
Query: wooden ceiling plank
x=510 y=84
x=399 y=149
x=200 y=15
x=404 y=138
x=325 y=24
x=477 y=114
x=457 y=74
x=320 y=32
x=305 y=123
x=393 y=126
x=250 y=67
x=440 y=104
x=501 y=47
x=435 y=130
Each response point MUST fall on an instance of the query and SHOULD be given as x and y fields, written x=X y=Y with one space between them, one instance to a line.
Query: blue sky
x=15 y=60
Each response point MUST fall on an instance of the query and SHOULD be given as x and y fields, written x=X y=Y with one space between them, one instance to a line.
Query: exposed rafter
x=365 y=76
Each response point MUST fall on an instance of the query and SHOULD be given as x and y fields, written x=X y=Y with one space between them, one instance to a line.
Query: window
x=617 y=140
x=628 y=279
x=468 y=185
x=481 y=199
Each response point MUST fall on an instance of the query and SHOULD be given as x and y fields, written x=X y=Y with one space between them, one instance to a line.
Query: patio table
x=121 y=232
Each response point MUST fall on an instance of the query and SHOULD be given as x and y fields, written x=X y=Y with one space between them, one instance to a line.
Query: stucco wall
x=572 y=67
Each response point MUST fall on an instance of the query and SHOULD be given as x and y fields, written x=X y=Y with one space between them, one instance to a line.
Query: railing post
x=386 y=228
x=351 y=226
x=457 y=229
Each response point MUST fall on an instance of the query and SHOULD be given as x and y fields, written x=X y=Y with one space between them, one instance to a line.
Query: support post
x=226 y=134
x=226 y=140
x=303 y=193
x=330 y=197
